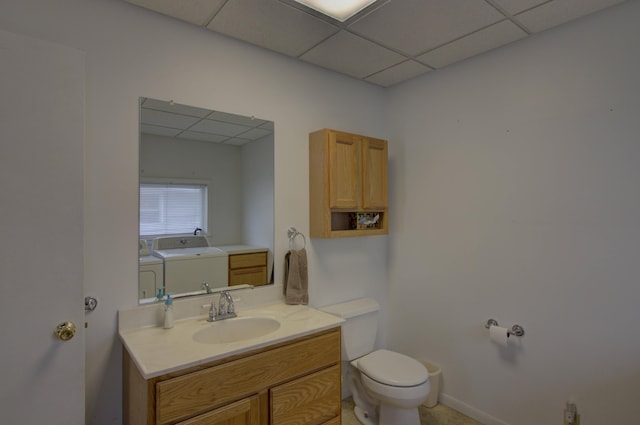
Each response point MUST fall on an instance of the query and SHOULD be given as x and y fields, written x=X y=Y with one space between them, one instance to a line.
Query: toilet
x=387 y=387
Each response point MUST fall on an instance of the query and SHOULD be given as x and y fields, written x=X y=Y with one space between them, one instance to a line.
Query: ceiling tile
x=271 y=24
x=160 y=118
x=415 y=26
x=560 y=11
x=195 y=11
x=236 y=119
x=516 y=6
x=397 y=73
x=175 y=108
x=352 y=55
x=481 y=41
x=219 y=127
x=236 y=141
x=159 y=131
x=202 y=137
x=255 y=134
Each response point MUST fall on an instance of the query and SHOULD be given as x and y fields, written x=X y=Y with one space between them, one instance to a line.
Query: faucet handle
x=230 y=307
x=222 y=304
x=212 y=312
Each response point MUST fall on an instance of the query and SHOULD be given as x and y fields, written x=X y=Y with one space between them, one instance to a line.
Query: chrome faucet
x=206 y=287
x=225 y=309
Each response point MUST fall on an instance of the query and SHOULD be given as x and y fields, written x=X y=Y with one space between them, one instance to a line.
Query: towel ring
x=292 y=233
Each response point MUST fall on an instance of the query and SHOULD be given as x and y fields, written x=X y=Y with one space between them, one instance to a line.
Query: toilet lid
x=391 y=368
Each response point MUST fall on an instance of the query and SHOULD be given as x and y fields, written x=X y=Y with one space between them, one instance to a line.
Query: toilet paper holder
x=516 y=330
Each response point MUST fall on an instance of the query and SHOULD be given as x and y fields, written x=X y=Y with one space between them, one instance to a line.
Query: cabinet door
x=374 y=173
x=310 y=400
x=344 y=170
x=243 y=412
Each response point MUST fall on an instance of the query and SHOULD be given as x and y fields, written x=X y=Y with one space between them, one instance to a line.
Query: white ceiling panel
x=165 y=119
x=352 y=55
x=516 y=6
x=159 y=131
x=481 y=41
x=558 y=12
x=271 y=24
x=197 y=12
x=397 y=73
x=388 y=42
x=202 y=137
x=415 y=26
x=175 y=108
x=255 y=134
x=236 y=119
x=218 y=127
x=169 y=119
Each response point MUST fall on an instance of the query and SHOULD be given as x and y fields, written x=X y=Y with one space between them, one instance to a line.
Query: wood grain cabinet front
x=297 y=382
x=249 y=269
x=348 y=188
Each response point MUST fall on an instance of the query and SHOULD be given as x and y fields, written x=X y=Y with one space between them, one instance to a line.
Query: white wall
x=131 y=52
x=516 y=195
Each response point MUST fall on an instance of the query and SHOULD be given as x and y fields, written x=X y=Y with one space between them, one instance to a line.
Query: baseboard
x=470 y=411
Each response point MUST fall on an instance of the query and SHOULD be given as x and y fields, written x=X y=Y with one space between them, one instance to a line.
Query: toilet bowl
x=387 y=386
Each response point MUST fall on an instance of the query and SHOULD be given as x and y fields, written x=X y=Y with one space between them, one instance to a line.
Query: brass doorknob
x=65 y=331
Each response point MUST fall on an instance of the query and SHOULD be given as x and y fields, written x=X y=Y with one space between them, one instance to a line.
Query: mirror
x=206 y=200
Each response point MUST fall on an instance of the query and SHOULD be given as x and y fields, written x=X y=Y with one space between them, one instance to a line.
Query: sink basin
x=236 y=329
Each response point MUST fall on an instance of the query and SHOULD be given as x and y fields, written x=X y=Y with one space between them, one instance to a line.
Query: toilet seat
x=394 y=369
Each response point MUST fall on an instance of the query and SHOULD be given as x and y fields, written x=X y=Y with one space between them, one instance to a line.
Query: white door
x=41 y=231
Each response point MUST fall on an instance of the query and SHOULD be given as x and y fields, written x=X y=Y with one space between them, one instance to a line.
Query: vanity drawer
x=311 y=400
x=248 y=276
x=255 y=259
x=245 y=411
x=198 y=392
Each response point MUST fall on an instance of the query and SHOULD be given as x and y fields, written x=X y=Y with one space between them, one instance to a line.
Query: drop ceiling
x=390 y=41
x=184 y=122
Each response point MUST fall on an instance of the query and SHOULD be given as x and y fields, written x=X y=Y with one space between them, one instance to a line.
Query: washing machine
x=151 y=272
x=190 y=261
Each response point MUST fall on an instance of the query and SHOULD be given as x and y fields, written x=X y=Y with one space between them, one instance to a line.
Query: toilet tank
x=360 y=327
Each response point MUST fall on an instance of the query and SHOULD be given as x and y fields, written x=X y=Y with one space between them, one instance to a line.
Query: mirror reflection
x=206 y=200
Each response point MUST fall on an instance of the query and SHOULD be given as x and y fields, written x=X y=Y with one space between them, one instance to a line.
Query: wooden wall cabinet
x=348 y=184
x=291 y=383
x=249 y=269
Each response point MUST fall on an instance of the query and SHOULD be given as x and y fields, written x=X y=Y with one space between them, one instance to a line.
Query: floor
x=437 y=415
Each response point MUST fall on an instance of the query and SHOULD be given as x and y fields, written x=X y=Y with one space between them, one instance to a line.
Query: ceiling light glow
x=337 y=9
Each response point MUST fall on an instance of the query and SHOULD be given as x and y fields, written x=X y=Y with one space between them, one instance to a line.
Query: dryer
x=189 y=261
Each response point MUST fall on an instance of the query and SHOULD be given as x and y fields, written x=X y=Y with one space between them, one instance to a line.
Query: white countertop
x=241 y=249
x=157 y=351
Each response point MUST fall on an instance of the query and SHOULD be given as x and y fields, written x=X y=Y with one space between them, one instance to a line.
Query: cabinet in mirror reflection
x=206 y=200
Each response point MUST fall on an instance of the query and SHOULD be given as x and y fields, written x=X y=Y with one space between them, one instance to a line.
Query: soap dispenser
x=168 y=312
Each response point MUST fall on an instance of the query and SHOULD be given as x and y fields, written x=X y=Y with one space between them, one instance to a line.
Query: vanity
x=222 y=373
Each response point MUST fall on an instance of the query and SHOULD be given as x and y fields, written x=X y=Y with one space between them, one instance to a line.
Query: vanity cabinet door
x=243 y=412
x=311 y=400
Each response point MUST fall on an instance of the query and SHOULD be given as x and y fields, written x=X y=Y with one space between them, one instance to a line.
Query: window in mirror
x=172 y=208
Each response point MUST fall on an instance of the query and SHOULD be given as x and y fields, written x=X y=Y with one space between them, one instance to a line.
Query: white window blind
x=172 y=208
